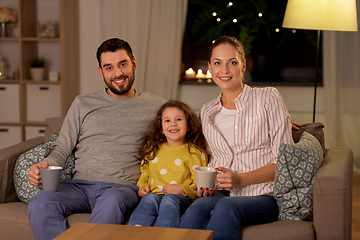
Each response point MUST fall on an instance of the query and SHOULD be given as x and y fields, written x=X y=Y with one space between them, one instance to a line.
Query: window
x=275 y=55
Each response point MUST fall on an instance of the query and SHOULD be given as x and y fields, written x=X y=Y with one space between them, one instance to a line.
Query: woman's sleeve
x=279 y=122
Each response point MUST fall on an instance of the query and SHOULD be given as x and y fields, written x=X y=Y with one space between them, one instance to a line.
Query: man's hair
x=112 y=45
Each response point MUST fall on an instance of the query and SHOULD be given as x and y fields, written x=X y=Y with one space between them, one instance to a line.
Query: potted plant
x=37 y=68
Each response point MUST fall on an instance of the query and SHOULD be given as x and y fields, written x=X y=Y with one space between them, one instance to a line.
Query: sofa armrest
x=8 y=157
x=333 y=195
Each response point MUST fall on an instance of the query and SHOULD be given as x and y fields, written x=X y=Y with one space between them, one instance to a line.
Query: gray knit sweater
x=103 y=132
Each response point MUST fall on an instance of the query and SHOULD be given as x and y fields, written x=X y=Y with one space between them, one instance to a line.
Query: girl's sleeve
x=145 y=174
x=197 y=159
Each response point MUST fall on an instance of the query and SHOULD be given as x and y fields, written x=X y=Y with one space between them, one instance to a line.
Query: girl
x=243 y=127
x=170 y=151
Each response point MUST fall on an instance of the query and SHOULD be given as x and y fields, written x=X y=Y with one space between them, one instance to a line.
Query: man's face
x=118 y=72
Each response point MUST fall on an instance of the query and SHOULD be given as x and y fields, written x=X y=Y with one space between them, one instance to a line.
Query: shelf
x=38 y=39
x=9 y=39
x=30 y=102
x=9 y=81
x=41 y=82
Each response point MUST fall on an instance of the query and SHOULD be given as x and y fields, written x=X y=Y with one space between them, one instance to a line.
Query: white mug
x=205 y=177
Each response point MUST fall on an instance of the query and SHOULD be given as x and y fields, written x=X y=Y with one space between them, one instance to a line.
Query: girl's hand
x=144 y=190
x=173 y=189
x=227 y=179
x=204 y=192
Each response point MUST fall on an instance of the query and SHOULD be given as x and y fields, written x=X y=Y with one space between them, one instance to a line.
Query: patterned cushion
x=24 y=190
x=296 y=167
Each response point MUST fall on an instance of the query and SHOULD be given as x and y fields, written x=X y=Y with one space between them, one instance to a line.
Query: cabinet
x=26 y=103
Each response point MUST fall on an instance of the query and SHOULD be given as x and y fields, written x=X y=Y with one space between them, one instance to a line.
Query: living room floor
x=356 y=208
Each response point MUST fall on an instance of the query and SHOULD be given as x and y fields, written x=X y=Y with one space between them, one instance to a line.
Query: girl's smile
x=174 y=126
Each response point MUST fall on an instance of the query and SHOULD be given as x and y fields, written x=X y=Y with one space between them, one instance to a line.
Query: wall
x=89 y=18
x=299 y=100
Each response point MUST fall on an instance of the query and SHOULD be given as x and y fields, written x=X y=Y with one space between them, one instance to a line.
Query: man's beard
x=121 y=90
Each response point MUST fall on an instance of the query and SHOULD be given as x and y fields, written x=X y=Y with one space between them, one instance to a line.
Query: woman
x=244 y=127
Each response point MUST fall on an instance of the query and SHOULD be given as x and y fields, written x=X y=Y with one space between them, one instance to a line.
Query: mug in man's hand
x=50 y=178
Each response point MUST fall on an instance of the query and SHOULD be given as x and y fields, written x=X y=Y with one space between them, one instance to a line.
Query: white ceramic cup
x=205 y=177
x=50 y=178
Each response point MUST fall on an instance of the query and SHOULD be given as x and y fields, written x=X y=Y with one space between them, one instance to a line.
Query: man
x=102 y=130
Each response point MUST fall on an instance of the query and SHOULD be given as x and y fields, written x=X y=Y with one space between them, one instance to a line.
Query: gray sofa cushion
x=24 y=190
x=296 y=167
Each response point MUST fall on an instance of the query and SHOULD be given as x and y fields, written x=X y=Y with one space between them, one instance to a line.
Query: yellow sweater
x=172 y=165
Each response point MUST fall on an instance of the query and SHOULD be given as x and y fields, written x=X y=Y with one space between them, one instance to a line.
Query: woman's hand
x=173 y=189
x=144 y=190
x=227 y=179
x=204 y=192
x=295 y=125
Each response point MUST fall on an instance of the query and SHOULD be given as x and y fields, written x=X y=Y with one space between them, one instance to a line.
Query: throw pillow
x=24 y=190
x=315 y=129
x=296 y=167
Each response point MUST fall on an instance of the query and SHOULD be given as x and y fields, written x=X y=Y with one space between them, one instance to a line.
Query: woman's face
x=226 y=67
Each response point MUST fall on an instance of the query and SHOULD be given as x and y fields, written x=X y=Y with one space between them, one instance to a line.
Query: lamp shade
x=333 y=15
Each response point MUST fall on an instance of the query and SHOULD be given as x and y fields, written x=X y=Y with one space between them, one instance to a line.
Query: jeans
x=160 y=210
x=107 y=203
x=226 y=215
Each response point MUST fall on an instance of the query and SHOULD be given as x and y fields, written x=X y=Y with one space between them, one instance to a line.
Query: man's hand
x=144 y=190
x=34 y=176
x=227 y=179
x=173 y=189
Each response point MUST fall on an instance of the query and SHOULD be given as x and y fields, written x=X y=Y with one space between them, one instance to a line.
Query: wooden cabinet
x=26 y=103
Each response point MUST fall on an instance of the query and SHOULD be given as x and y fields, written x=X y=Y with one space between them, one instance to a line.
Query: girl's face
x=174 y=126
x=226 y=67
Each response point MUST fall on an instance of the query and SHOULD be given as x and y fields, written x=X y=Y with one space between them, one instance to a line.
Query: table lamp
x=331 y=15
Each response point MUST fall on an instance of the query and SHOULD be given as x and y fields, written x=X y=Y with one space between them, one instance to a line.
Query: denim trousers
x=225 y=215
x=107 y=203
x=160 y=210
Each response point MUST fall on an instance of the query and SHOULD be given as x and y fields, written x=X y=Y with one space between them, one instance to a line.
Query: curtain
x=154 y=29
x=341 y=62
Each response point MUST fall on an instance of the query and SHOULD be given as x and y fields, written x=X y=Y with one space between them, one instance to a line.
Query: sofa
x=332 y=199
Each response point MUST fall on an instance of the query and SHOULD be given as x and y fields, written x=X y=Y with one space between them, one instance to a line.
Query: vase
x=3 y=29
x=37 y=74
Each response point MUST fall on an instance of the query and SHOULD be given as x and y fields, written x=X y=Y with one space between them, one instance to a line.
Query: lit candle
x=200 y=74
x=190 y=73
x=208 y=74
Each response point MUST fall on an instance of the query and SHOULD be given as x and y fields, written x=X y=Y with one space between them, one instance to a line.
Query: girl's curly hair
x=154 y=137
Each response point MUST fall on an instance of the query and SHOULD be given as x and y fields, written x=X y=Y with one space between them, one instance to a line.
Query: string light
x=260 y=14
x=230 y=4
x=235 y=20
x=277 y=30
x=218 y=19
x=214 y=14
x=293 y=31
